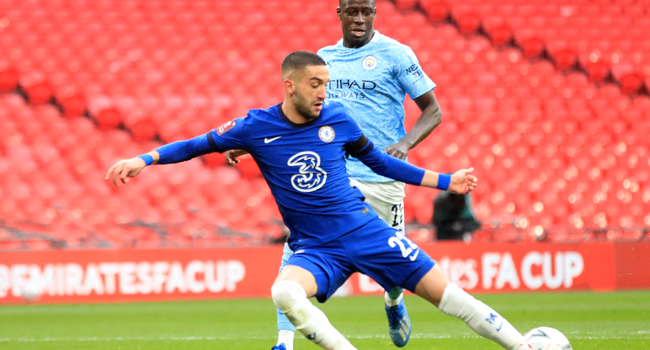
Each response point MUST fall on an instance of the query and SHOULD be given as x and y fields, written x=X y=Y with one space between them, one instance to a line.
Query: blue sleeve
x=410 y=75
x=383 y=164
x=226 y=137
x=232 y=135
x=181 y=151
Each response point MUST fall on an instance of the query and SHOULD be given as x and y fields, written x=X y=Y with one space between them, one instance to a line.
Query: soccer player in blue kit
x=370 y=74
x=300 y=146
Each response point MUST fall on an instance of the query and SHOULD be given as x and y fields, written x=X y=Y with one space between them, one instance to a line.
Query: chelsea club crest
x=326 y=133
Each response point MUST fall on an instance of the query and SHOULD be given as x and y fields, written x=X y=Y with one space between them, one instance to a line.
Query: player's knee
x=287 y=294
x=432 y=286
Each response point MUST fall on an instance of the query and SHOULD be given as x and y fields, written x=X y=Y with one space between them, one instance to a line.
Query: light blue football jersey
x=372 y=82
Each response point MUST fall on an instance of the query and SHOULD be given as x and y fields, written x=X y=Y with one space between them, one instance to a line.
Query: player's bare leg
x=290 y=292
x=453 y=301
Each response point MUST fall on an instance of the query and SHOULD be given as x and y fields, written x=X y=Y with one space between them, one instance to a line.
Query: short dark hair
x=299 y=60
x=344 y=2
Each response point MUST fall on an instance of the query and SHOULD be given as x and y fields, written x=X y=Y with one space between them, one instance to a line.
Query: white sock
x=292 y=300
x=285 y=337
x=392 y=302
x=479 y=317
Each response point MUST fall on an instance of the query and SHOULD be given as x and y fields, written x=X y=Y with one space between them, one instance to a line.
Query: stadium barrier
x=81 y=276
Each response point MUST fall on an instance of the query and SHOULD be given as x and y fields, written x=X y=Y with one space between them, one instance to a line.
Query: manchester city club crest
x=326 y=134
x=369 y=62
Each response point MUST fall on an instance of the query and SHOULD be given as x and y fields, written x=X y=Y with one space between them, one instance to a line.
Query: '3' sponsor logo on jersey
x=310 y=177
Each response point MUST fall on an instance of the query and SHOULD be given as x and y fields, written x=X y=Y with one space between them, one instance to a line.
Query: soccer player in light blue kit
x=300 y=146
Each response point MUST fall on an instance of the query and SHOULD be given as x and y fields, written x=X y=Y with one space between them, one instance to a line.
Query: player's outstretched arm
x=174 y=152
x=126 y=168
x=461 y=182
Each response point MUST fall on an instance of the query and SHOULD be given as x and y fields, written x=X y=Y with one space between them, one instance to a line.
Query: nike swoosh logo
x=269 y=140
x=501 y=325
x=414 y=256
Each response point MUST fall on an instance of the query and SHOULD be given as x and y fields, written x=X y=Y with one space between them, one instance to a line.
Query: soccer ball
x=30 y=293
x=545 y=338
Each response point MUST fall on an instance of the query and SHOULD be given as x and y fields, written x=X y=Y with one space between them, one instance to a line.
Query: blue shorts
x=376 y=250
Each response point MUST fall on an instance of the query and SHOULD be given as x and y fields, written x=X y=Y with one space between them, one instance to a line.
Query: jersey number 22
x=410 y=252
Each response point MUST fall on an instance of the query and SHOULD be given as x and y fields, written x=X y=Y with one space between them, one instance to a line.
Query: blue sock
x=283 y=323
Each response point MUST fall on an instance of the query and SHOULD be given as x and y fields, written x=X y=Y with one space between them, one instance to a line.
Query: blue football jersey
x=372 y=82
x=304 y=166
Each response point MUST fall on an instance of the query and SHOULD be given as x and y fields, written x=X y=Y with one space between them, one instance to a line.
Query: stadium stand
x=552 y=113
x=54 y=193
x=603 y=38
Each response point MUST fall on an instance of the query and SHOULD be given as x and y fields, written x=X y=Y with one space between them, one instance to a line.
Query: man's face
x=357 y=17
x=310 y=93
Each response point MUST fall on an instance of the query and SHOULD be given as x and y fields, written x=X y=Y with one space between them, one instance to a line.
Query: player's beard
x=303 y=107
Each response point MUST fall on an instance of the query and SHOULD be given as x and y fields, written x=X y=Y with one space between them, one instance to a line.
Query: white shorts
x=387 y=198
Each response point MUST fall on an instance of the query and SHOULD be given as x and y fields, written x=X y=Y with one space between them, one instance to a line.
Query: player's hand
x=232 y=155
x=462 y=181
x=399 y=150
x=124 y=169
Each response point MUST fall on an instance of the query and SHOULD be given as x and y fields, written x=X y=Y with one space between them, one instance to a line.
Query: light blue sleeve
x=410 y=75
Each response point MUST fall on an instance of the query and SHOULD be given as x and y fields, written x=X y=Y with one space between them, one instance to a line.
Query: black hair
x=343 y=2
x=299 y=60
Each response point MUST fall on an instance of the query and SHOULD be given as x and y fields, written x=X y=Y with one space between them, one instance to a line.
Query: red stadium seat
x=72 y=101
x=142 y=129
x=532 y=47
x=8 y=77
x=109 y=118
x=631 y=83
x=36 y=88
x=468 y=23
x=564 y=59
x=500 y=35
x=597 y=71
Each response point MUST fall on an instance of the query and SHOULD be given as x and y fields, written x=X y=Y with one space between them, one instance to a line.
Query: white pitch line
x=209 y=338
x=203 y=338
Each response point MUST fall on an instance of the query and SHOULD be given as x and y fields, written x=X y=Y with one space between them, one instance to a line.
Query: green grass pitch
x=608 y=321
